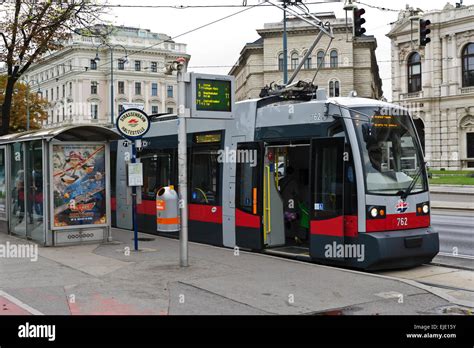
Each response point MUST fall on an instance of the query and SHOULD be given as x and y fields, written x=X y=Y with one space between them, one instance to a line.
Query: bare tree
x=31 y=28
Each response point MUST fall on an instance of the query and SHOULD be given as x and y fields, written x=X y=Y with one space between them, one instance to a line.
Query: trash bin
x=167 y=210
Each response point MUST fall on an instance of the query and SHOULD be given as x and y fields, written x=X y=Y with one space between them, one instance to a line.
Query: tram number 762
x=403 y=221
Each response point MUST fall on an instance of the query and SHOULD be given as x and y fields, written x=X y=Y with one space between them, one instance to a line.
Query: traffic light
x=358 y=22
x=424 y=31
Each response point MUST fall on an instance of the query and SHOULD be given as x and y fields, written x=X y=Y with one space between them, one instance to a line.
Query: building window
x=120 y=108
x=320 y=59
x=94 y=111
x=334 y=90
x=154 y=67
x=57 y=92
x=121 y=64
x=470 y=145
x=308 y=63
x=170 y=110
x=334 y=59
x=280 y=62
x=154 y=109
x=468 y=65
x=138 y=88
x=414 y=73
x=294 y=60
x=93 y=64
x=70 y=89
x=64 y=91
x=154 y=89
x=138 y=65
x=93 y=87
x=170 y=92
x=121 y=87
x=52 y=94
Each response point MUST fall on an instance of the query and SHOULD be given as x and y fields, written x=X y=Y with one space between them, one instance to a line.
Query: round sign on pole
x=133 y=123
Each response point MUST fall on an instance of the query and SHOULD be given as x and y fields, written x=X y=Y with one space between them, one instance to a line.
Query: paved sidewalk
x=105 y=279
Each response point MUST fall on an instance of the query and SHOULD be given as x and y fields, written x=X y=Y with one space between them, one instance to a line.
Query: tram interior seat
x=295 y=192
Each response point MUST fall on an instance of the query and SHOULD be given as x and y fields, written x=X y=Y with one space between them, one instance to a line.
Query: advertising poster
x=79 y=185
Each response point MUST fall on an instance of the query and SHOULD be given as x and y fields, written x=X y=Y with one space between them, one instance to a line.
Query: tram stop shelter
x=55 y=184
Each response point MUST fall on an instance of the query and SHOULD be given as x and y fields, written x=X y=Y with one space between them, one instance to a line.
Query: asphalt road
x=456 y=230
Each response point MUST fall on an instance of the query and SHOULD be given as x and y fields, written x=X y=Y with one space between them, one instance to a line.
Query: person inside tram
x=292 y=195
x=375 y=157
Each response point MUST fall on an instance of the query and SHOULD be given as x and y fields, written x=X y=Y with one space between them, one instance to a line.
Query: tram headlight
x=423 y=208
x=426 y=208
x=374 y=212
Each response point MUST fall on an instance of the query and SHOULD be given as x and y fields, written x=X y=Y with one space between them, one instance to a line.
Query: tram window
x=247 y=176
x=204 y=176
x=329 y=186
x=158 y=171
x=336 y=130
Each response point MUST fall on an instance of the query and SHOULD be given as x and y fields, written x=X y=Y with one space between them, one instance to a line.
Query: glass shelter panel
x=34 y=191
x=17 y=211
x=3 y=189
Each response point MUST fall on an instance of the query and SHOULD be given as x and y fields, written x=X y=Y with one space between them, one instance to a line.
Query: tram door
x=327 y=188
x=249 y=196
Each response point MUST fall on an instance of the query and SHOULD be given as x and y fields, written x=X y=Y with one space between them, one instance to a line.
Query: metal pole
x=308 y=54
x=285 y=47
x=134 y=201
x=111 y=85
x=27 y=107
x=183 y=170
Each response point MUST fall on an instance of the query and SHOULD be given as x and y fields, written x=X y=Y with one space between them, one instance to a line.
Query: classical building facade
x=78 y=86
x=436 y=82
x=350 y=64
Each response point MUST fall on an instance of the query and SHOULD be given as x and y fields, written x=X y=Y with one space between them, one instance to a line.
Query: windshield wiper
x=404 y=194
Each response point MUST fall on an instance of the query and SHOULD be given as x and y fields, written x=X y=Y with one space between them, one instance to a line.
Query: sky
x=214 y=49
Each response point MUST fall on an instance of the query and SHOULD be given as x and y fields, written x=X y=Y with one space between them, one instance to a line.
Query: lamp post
x=97 y=59
x=29 y=84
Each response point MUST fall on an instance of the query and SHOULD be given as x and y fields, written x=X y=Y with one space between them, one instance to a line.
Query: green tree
x=18 y=112
x=30 y=29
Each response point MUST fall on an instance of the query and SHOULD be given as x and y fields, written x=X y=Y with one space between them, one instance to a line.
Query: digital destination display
x=385 y=121
x=207 y=138
x=213 y=95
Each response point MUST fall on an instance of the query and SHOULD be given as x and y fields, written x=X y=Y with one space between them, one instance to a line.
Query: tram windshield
x=390 y=151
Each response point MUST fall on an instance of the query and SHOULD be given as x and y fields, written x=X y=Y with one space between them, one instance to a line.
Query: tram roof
x=361 y=102
x=65 y=133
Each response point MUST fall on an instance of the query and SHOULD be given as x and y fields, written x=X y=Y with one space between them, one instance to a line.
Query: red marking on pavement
x=99 y=305
x=9 y=308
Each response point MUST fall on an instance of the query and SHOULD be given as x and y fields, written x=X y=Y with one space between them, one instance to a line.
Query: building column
x=163 y=97
x=453 y=142
x=84 y=106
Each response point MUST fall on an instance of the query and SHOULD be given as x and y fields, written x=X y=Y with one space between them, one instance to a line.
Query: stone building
x=350 y=64
x=436 y=82
x=78 y=86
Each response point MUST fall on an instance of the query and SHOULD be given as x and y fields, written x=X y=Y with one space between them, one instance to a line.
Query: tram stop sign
x=133 y=124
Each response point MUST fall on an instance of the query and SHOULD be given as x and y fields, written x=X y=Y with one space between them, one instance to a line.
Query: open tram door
x=327 y=197
x=249 y=207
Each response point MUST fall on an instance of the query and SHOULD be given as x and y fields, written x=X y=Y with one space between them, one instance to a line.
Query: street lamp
x=97 y=59
x=29 y=84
